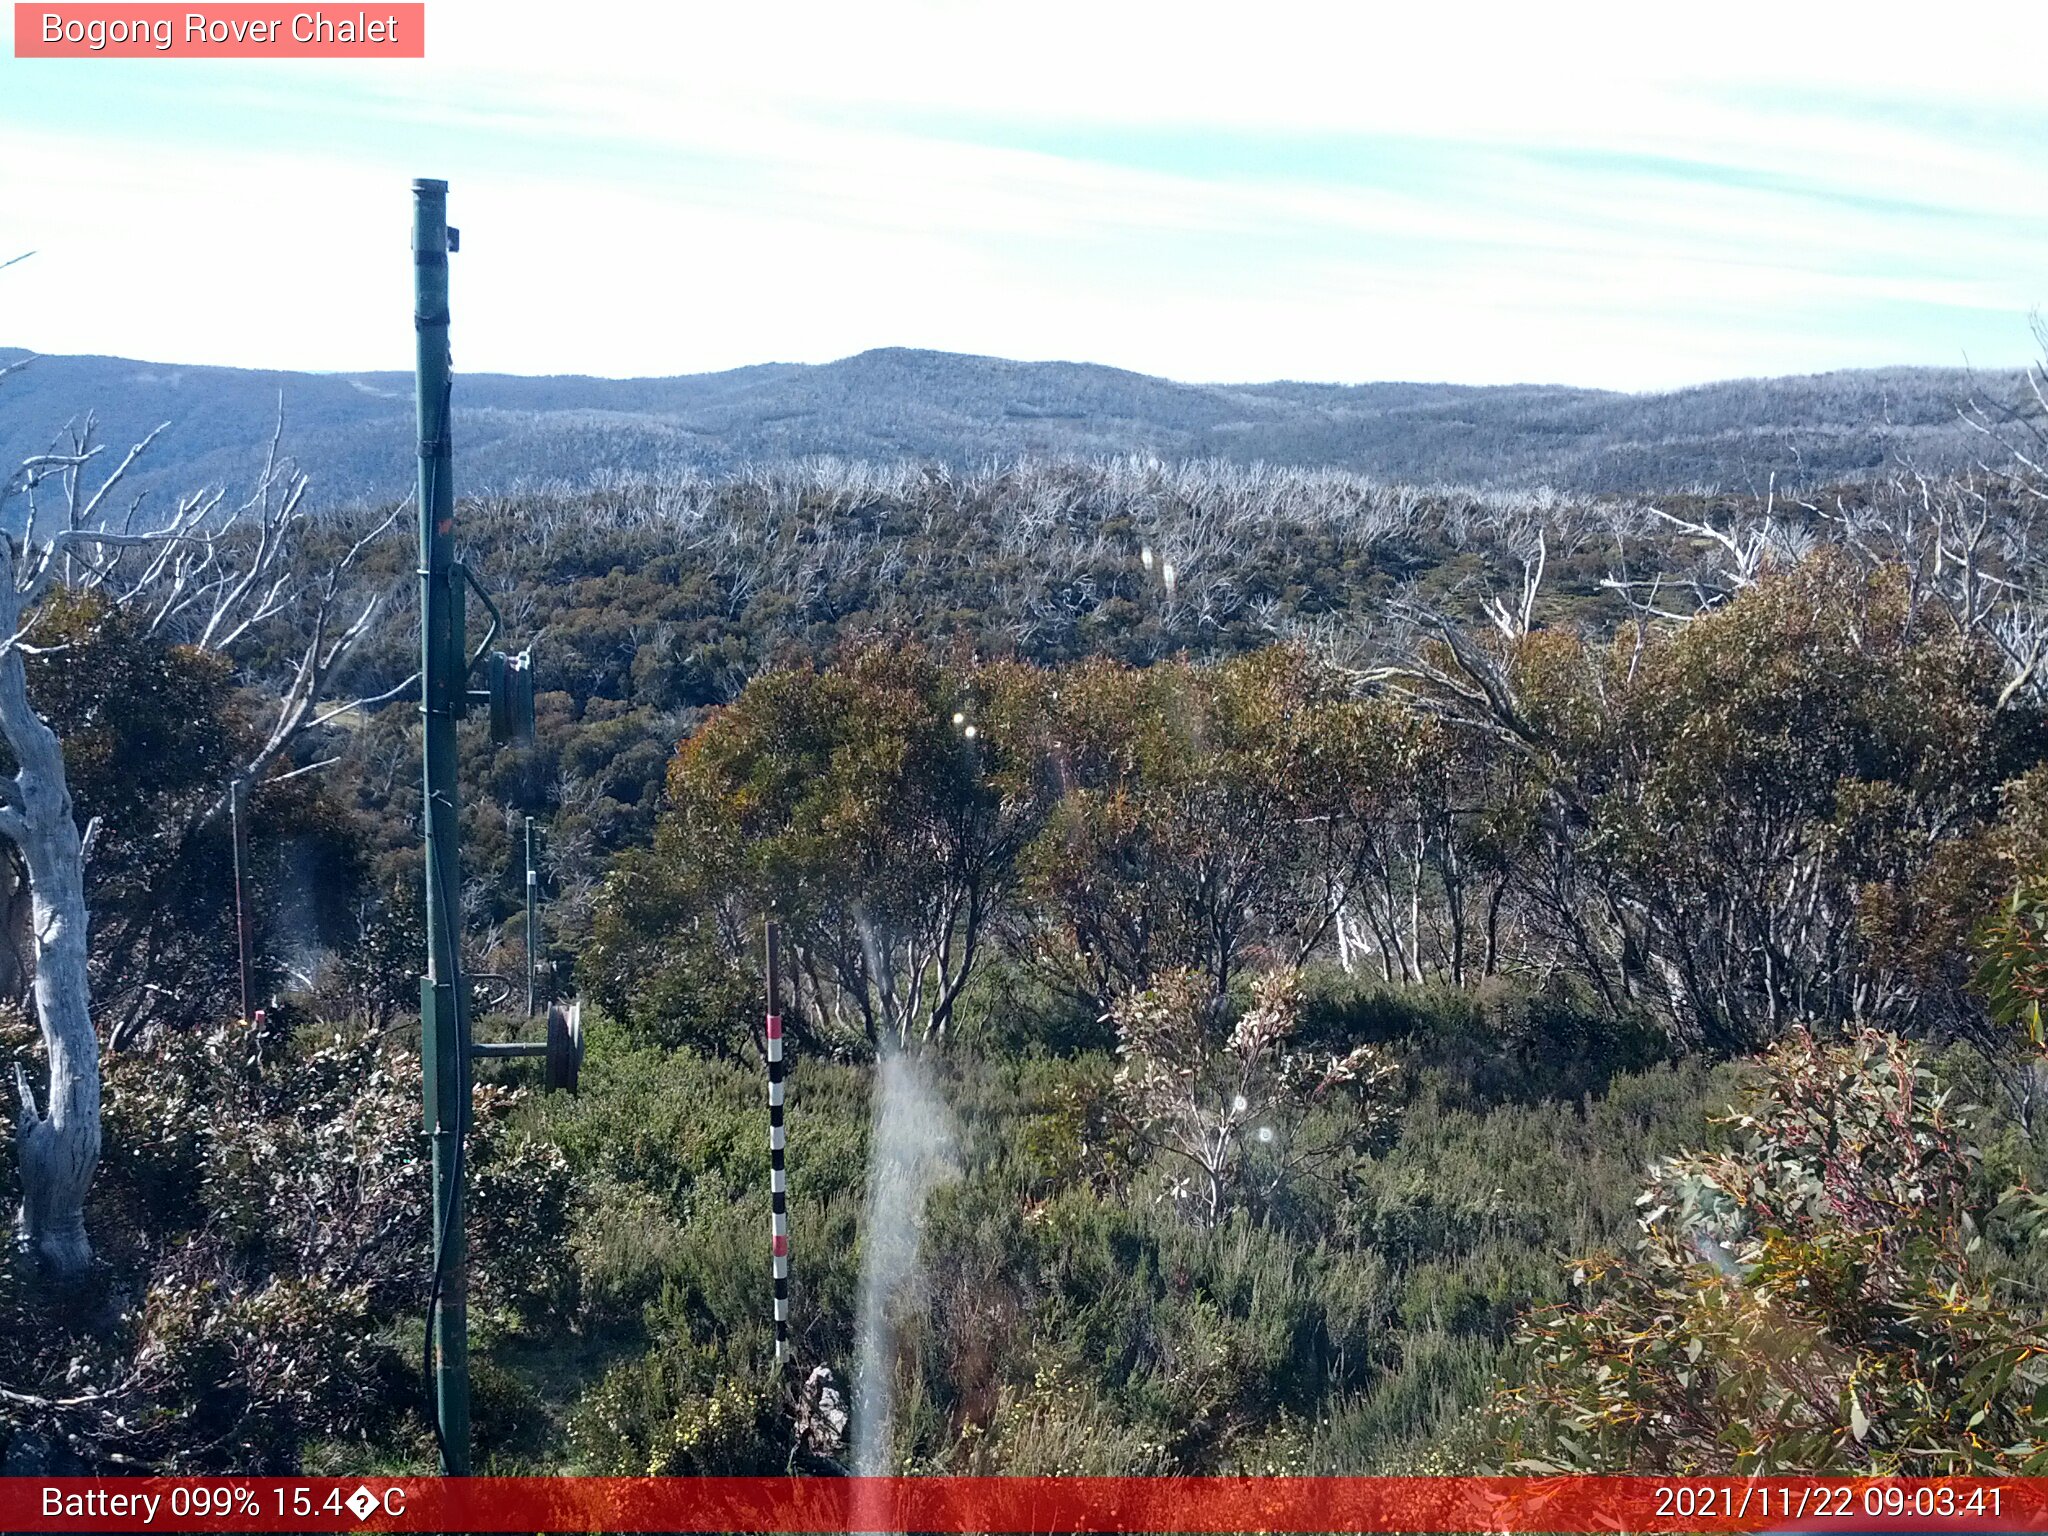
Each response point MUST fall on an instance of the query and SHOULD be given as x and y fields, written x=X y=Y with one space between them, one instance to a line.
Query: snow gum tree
x=206 y=573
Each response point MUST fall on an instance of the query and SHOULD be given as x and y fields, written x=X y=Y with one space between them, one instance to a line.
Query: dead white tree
x=1724 y=561
x=1969 y=547
x=211 y=573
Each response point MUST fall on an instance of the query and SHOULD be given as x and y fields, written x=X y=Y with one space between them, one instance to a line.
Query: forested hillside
x=353 y=432
x=1286 y=973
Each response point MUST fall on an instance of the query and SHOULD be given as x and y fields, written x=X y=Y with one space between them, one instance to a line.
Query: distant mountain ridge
x=353 y=432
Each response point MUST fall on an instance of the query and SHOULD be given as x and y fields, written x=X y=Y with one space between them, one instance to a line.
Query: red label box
x=1836 y=1506
x=225 y=31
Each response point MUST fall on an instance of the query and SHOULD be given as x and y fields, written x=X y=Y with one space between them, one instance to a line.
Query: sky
x=1622 y=196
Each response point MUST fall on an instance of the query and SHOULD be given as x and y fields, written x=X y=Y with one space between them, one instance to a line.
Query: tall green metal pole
x=444 y=1001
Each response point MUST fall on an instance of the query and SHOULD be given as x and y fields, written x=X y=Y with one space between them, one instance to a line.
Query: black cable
x=444 y=1216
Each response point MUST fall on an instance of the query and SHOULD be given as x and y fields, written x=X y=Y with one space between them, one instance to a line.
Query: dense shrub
x=1815 y=1299
x=1068 y=1317
x=265 y=1205
x=681 y=1412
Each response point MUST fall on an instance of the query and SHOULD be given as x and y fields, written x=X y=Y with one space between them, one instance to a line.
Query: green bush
x=264 y=1286
x=1817 y=1298
x=678 y=1411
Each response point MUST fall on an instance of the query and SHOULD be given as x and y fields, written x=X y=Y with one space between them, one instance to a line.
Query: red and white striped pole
x=778 y=1178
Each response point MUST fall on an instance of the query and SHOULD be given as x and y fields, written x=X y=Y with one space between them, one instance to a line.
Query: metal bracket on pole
x=561 y=1052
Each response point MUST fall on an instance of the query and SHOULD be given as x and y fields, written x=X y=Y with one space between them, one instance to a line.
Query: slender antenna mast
x=240 y=831
x=532 y=917
x=778 y=1178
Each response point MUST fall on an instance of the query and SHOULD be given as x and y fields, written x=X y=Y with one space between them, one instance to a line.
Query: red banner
x=224 y=31
x=965 y=1504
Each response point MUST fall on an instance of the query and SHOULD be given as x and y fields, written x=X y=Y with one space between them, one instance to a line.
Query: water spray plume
x=911 y=1151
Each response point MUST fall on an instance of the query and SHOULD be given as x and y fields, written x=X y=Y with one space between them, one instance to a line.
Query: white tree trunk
x=58 y=1145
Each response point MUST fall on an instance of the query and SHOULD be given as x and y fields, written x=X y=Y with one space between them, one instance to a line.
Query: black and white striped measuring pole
x=778 y=1178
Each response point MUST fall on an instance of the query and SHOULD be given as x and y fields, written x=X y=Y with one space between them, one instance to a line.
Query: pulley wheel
x=565 y=1045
